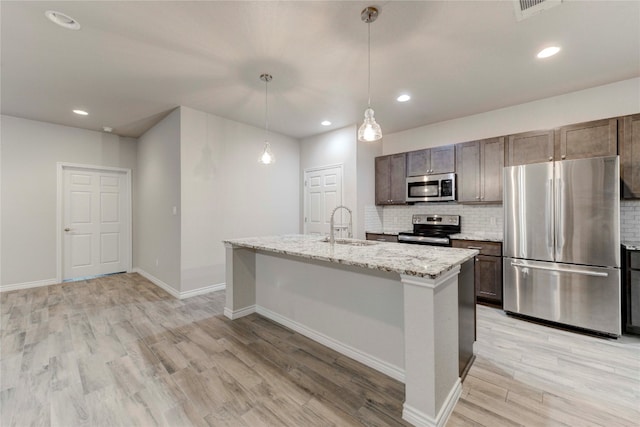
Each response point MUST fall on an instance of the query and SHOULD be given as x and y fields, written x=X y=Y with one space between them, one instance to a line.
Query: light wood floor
x=120 y=351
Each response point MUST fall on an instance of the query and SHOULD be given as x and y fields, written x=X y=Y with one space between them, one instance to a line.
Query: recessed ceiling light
x=548 y=51
x=403 y=98
x=81 y=112
x=62 y=19
x=107 y=129
x=326 y=123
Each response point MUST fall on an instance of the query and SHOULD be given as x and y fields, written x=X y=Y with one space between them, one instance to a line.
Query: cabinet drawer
x=382 y=237
x=634 y=260
x=485 y=248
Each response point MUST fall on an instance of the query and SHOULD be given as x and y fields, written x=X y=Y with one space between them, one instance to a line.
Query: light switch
x=175 y=210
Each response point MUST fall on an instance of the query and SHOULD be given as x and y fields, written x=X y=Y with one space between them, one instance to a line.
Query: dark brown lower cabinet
x=380 y=237
x=488 y=270
x=631 y=291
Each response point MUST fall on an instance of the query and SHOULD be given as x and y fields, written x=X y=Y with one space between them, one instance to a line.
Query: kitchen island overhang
x=392 y=307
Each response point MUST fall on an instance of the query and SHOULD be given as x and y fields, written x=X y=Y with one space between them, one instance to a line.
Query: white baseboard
x=27 y=285
x=420 y=419
x=204 y=290
x=373 y=362
x=233 y=315
x=159 y=283
x=175 y=293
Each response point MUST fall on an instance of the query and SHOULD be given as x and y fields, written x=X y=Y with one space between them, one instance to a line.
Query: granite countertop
x=388 y=233
x=480 y=236
x=631 y=246
x=413 y=260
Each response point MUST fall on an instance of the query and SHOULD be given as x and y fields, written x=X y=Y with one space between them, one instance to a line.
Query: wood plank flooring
x=118 y=351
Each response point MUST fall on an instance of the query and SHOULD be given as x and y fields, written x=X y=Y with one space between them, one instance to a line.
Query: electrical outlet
x=157 y=262
x=492 y=220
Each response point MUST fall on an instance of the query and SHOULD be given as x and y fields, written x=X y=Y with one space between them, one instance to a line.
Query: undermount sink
x=351 y=242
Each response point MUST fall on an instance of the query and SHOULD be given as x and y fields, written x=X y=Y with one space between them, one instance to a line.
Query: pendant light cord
x=369 y=53
x=266 y=108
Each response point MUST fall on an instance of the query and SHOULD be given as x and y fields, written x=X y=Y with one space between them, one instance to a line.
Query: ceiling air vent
x=527 y=8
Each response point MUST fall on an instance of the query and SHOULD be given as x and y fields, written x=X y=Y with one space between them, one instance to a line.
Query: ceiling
x=132 y=62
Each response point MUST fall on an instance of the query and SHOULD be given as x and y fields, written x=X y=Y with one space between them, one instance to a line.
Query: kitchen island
x=392 y=307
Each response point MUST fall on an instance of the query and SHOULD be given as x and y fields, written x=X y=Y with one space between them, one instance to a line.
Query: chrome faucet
x=332 y=238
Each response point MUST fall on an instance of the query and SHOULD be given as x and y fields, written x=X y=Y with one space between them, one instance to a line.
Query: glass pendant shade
x=369 y=131
x=267 y=156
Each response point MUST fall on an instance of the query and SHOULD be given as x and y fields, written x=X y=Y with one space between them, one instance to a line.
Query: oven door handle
x=423 y=239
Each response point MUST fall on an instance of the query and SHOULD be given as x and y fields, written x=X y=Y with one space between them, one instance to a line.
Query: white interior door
x=96 y=222
x=323 y=192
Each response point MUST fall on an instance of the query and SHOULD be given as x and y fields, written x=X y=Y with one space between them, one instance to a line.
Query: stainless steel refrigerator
x=562 y=242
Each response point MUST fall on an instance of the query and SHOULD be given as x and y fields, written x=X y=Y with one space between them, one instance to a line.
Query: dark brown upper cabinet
x=630 y=156
x=583 y=140
x=391 y=179
x=530 y=147
x=480 y=166
x=431 y=161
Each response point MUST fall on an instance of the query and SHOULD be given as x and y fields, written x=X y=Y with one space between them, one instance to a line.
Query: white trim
x=157 y=282
x=28 y=285
x=203 y=290
x=427 y=282
x=233 y=315
x=60 y=167
x=386 y=368
x=304 y=192
x=175 y=293
x=420 y=419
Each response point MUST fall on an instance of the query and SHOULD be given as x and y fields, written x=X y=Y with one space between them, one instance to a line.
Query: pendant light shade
x=267 y=157
x=369 y=130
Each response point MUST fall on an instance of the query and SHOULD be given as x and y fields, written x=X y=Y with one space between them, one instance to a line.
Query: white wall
x=156 y=192
x=226 y=193
x=30 y=153
x=615 y=99
x=332 y=148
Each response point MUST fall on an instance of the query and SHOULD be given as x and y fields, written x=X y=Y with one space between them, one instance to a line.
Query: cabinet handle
x=474 y=247
x=381 y=240
x=564 y=156
x=550 y=159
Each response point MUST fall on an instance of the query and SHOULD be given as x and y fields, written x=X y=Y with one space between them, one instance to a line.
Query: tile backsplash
x=479 y=218
x=474 y=218
x=630 y=220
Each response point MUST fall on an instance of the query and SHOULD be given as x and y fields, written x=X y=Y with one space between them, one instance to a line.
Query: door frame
x=60 y=168
x=304 y=186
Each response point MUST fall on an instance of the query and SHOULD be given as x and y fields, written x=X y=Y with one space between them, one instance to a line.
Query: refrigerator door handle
x=562 y=270
x=559 y=218
x=550 y=242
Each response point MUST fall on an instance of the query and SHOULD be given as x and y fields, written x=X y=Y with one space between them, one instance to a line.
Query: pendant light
x=267 y=156
x=369 y=130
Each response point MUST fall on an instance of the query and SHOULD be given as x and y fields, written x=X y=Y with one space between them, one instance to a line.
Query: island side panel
x=355 y=311
x=240 y=282
x=432 y=385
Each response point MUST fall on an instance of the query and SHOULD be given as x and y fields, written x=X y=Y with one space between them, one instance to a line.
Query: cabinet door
x=530 y=147
x=398 y=179
x=583 y=140
x=468 y=176
x=489 y=278
x=383 y=180
x=491 y=168
x=630 y=156
x=443 y=159
x=418 y=162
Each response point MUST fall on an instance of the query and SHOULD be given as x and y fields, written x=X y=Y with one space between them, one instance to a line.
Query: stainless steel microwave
x=431 y=188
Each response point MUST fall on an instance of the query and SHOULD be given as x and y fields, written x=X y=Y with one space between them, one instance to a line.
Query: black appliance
x=431 y=230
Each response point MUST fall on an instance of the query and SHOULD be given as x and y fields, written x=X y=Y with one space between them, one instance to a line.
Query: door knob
x=67 y=229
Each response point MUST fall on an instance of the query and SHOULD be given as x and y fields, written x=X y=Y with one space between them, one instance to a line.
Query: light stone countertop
x=480 y=236
x=632 y=246
x=388 y=233
x=413 y=260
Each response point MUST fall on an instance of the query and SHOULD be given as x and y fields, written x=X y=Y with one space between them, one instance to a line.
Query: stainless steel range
x=431 y=230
